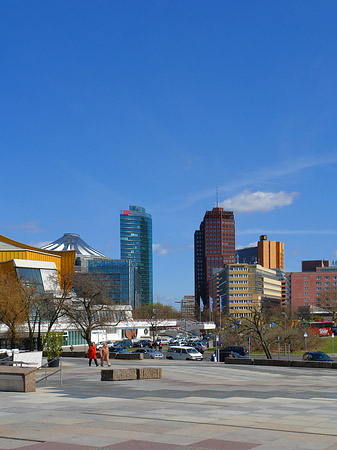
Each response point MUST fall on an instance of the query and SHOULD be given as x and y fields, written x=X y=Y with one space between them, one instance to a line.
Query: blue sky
x=155 y=103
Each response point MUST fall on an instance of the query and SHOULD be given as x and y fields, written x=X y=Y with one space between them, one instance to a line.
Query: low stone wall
x=17 y=379
x=132 y=356
x=144 y=373
x=282 y=363
x=118 y=374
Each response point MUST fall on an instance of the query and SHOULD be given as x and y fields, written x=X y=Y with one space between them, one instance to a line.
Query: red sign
x=126 y=212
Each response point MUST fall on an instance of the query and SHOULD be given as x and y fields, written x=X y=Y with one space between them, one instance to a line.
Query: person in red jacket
x=92 y=353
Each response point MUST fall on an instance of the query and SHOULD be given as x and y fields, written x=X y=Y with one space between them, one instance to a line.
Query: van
x=187 y=353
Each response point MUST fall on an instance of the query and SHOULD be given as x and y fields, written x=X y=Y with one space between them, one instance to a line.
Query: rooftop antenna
x=217 y=197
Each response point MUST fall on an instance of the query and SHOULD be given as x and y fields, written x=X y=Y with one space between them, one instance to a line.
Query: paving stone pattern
x=195 y=405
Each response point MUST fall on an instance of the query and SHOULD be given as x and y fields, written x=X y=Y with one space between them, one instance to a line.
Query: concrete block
x=146 y=373
x=17 y=379
x=118 y=374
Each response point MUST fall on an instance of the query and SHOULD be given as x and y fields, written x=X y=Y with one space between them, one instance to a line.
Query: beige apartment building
x=244 y=287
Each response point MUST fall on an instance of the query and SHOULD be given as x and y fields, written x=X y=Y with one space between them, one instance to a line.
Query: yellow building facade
x=16 y=254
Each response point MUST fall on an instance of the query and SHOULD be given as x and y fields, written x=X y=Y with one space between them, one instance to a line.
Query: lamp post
x=305 y=335
x=285 y=332
x=332 y=342
x=278 y=346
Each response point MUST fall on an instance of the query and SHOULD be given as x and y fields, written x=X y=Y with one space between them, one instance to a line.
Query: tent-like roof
x=72 y=241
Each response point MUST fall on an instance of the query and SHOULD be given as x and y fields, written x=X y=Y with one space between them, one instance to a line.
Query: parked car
x=126 y=343
x=316 y=356
x=141 y=343
x=243 y=351
x=118 y=349
x=164 y=341
x=179 y=352
x=149 y=353
x=198 y=346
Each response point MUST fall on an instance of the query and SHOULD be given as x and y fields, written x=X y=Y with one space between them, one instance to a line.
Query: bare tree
x=13 y=307
x=91 y=308
x=155 y=315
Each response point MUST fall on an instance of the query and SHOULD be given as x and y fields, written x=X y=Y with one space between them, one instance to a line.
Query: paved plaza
x=196 y=405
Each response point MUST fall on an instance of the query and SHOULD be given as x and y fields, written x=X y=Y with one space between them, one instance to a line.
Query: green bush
x=52 y=344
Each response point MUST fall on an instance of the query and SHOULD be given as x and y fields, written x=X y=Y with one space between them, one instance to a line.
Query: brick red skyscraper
x=214 y=246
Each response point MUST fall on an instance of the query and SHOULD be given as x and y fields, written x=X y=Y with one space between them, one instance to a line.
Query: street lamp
x=285 y=332
x=305 y=335
x=332 y=342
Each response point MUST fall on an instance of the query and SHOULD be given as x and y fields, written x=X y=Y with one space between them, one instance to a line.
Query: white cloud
x=160 y=249
x=248 y=201
x=335 y=253
x=164 y=249
x=30 y=227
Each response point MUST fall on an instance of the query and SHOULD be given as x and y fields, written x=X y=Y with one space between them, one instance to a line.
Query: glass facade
x=123 y=277
x=136 y=246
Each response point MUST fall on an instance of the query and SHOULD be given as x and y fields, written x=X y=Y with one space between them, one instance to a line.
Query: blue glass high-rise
x=136 y=246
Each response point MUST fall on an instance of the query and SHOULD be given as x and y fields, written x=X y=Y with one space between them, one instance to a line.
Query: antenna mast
x=217 y=197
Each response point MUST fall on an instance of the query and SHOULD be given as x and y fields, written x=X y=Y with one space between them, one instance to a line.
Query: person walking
x=92 y=353
x=104 y=354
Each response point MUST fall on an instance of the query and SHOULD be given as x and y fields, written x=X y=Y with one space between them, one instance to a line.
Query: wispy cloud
x=248 y=201
x=29 y=227
x=40 y=244
x=280 y=231
x=245 y=180
x=163 y=249
x=160 y=249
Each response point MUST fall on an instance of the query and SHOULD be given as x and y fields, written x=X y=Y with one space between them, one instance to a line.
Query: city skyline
x=109 y=104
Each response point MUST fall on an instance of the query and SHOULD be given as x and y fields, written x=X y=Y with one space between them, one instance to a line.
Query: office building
x=214 y=246
x=136 y=246
x=270 y=254
x=315 y=286
x=120 y=274
x=188 y=307
x=244 y=287
x=247 y=255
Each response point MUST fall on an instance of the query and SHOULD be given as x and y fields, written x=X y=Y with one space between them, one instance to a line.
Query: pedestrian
x=92 y=353
x=104 y=354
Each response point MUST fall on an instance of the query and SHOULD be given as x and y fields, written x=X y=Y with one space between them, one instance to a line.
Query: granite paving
x=195 y=405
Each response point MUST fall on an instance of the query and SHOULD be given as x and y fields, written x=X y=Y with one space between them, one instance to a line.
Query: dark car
x=126 y=343
x=243 y=351
x=142 y=343
x=118 y=349
x=316 y=356
x=198 y=346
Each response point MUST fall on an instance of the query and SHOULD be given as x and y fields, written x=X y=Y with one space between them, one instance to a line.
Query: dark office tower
x=136 y=246
x=214 y=246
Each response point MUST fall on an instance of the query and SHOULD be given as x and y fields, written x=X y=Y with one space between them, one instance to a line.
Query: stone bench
x=144 y=373
x=17 y=379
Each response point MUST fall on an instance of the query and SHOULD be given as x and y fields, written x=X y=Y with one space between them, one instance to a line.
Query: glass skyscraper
x=136 y=246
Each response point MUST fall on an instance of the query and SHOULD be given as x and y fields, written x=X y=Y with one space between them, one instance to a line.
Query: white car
x=187 y=353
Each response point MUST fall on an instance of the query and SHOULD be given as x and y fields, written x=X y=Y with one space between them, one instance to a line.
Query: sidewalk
x=196 y=405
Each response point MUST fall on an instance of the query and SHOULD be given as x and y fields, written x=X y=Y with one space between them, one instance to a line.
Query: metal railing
x=9 y=362
x=48 y=375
